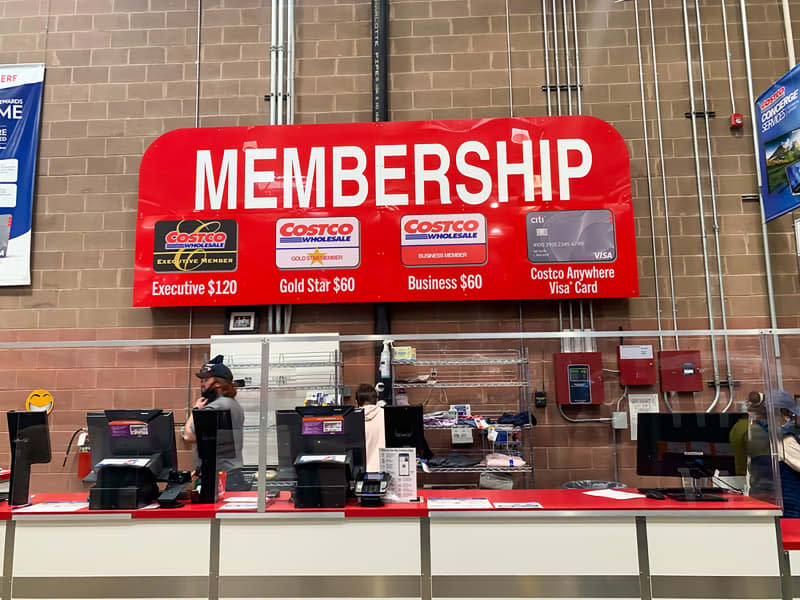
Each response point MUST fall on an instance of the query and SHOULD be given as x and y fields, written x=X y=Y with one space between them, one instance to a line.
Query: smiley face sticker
x=40 y=401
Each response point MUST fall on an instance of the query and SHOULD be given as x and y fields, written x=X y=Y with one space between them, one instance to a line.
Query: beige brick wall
x=122 y=72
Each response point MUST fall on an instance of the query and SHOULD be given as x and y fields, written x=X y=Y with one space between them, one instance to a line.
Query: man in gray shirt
x=218 y=392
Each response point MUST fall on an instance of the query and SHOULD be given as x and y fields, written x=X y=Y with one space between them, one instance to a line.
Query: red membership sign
x=488 y=209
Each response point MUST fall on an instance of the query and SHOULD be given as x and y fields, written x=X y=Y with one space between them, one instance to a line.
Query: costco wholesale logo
x=443 y=240
x=767 y=101
x=322 y=243
x=195 y=245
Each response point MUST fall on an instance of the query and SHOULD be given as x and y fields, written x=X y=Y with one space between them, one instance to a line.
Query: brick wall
x=122 y=72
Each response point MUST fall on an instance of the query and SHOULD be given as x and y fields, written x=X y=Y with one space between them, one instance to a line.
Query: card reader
x=371 y=488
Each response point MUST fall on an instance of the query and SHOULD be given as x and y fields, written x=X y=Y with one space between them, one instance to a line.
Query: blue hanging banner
x=778 y=119
x=20 y=110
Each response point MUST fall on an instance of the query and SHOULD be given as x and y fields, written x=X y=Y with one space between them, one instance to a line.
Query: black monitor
x=29 y=435
x=405 y=429
x=312 y=430
x=214 y=432
x=140 y=433
x=686 y=444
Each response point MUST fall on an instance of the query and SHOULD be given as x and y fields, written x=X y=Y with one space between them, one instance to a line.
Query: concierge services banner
x=402 y=211
x=778 y=119
x=20 y=109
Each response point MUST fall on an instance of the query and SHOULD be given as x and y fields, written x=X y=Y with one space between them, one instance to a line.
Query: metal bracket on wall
x=701 y=115
x=751 y=198
x=726 y=383
x=562 y=87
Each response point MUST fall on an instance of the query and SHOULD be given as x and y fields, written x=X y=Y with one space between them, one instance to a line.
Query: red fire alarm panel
x=579 y=377
x=637 y=365
x=680 y=371
x=737 y=121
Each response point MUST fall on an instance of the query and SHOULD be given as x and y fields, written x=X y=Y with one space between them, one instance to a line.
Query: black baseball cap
x=215 y=368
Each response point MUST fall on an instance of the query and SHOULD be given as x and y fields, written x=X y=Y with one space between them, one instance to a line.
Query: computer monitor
x=304 y=431
x=686 y=444
x=214 y=432
x=29 y=435
x=142 y=432
x=405 y=429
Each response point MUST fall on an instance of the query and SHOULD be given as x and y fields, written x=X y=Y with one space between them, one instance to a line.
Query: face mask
x=208 y=393
x=787 y=427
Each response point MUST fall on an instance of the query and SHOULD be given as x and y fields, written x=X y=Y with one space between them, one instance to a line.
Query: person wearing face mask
x=750 y=440
x=217 y=391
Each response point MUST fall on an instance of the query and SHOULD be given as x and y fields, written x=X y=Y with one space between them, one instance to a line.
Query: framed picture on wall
x=241 y=320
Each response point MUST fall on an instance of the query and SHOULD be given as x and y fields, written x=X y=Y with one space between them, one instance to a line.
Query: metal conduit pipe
x=764 y=236
x=728 y=54
x=281 y=57
x=508 y=48
x=649 y=182
x=290 y=72
x=567 y=60
x=657 y=97
x=273 y=63
x=645 y=138
x=787 y=29
x=555 y=56
x=577 y=58
x=546 y=44
x=197 y=79
x=701 y=208
x=715 y=220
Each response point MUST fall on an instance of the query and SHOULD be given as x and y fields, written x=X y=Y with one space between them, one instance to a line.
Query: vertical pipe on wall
x=764 y=236
x=197 y=70
x=646 y=140
x=508 y=48
x=728 y=54
x=657 y=98
x=787 y=29
x=546 y=45
x=290 y=66
x=380 y=61
x=555 y=56
x=715 y=220
x=273 y=63
x=577 y=58
x=701 y=208
x=281 y=57
x=380 y=112
x=567 y=59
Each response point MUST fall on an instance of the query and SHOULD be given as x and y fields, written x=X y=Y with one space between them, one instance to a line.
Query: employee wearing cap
x=218 y=391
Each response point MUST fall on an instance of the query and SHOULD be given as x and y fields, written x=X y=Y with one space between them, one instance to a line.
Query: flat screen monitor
x=320 y=430
x=405 y=429
x=29 y=435
x=681 y=444
x=142 y=432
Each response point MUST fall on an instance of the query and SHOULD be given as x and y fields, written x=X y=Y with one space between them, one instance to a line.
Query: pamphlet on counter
x=459 y=503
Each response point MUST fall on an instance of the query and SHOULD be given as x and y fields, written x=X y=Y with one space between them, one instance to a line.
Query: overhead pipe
x=764 y=235
x=701 y=208
x=714 y=217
